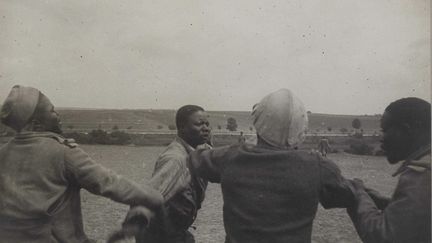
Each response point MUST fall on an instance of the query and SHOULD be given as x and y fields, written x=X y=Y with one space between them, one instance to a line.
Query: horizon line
x=165 y=109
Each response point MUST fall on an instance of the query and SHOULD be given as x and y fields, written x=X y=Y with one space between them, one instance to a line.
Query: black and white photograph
x=188 y=121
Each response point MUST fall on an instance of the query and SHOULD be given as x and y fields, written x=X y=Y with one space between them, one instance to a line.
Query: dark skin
x=196 y=131
x=46 y=118
x=400 y=139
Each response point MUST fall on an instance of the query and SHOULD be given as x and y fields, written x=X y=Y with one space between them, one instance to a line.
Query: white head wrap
x=280 y=119
x=19 y=106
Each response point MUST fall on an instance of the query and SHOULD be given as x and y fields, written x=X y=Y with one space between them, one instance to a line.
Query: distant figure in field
x=182 y=190
x=42 y=173
x=324 y=146
x=242 y=138
x=406 y=217
x=271 y=190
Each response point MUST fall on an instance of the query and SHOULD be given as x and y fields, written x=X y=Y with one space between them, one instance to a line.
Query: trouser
x=181 y=237
x=323 y=152
x=157 y=237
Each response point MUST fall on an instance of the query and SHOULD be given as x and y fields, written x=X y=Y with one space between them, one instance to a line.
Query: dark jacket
x=406 y=217
x=271 y=195
x=41 y=175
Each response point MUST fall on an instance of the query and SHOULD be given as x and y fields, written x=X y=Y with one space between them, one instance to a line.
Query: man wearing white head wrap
x=41 y=174
x=280 y=119
x=19 y=106
x=271 y=190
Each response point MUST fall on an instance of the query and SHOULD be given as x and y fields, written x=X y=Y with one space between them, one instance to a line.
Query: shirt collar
x=417 y=160
x=187 y=146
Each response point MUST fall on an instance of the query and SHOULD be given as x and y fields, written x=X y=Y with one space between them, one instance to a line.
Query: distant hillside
x=159 y=121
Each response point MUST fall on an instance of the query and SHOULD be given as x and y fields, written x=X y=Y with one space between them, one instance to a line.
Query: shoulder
x=415 y=175
x=174 y=150
x=50 y=139
x=69 y=147
x=325 y=164
x=175 y=153
x=306 y=155
x=67 y=142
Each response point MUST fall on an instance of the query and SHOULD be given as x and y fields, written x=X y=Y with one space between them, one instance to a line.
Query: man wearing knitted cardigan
x=271 y=190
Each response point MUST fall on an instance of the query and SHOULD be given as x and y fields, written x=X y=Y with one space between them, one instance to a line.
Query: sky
x=337 y=56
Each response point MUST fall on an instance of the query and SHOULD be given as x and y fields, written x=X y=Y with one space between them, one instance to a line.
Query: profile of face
x=196 y=131
x=396 y=139
x=47 y=117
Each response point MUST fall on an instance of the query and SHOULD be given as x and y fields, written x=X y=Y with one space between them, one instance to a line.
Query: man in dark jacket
x=406 y=217
x=271 y=190
x=182 y=190
x=41 y=174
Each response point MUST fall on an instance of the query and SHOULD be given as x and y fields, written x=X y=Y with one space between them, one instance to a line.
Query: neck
x=32 y=127
x=187 y=140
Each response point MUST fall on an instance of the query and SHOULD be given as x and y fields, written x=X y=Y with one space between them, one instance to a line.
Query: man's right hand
x=380 y=201
x=138 y=217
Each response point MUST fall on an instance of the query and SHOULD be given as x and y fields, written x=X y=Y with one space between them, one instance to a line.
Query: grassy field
x=102 y=216
x=145 y=120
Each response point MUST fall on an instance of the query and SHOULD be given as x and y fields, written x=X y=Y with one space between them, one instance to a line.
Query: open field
x=102 y=216
x=149 y=120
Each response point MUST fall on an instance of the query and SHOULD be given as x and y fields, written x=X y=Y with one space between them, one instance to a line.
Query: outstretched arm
x=336 y=191
x=370 y=222
x=208 y=164
x=380 y=200
x=99 y=180
x=406 y=217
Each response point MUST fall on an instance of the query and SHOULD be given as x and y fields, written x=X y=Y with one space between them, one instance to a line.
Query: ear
x=413 y=133
x=35 y=125
x=180 y=131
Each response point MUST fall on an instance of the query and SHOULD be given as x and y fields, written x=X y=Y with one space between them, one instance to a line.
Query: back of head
x=280 y=119
x=184 y=113
x=19 y=106
x=413 y=112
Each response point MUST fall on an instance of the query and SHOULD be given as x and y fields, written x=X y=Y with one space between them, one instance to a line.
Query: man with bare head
x=41 y=174
x=182 y=190
x=406 y=217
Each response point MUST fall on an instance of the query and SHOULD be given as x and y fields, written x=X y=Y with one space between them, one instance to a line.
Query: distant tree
x=70 y=127
x=99 y=136
x=219 y=127
x=172 y=127
x=129 y=127
x=231 y=124
x=119 y=137
x=251 y=128
x=115 y=128
x=343 y=130
x=356 y=124
x=329 y=129
x=159 y=127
